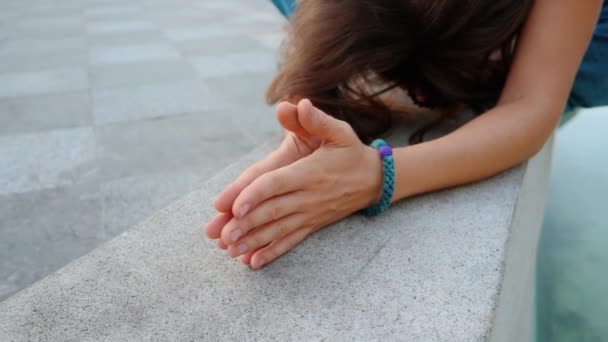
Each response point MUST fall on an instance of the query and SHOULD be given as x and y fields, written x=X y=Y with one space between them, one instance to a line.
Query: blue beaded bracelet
x=388 y=166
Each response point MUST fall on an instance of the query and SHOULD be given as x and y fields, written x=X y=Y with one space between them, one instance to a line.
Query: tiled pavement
x=110 y=109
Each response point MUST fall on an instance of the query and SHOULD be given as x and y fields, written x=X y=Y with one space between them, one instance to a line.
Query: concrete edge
x=514 y=320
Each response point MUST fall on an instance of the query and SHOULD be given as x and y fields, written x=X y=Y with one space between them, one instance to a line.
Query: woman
x=513 y=62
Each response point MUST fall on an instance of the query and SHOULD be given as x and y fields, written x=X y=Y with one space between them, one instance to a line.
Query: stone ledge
x=449 y=266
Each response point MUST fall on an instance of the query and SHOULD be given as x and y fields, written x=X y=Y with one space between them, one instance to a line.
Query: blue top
x=602 y=26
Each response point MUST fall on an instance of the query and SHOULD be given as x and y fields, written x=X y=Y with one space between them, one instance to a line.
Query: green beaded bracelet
x=388 y=166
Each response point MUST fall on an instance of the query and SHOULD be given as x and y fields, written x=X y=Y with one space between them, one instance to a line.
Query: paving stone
x=44 y=230
x=43 y=82
x=150 y=101
x=272 y=40
x=199 y=32
x=195 y=141
x=48 y=27
x=218 y=46
x=134 y=53
x=119 y=26
x=242 y=90
x=38 y=161
x=42 y=54
x=139 y=73
x=38 y=113
x=42 y=46
x=235 y=63
x=97 y=40
x=258 y=123
x=128 y=201
x=112 y=11
x=56 y=10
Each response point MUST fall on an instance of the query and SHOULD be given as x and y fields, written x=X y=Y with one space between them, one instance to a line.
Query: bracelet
x=388 y=166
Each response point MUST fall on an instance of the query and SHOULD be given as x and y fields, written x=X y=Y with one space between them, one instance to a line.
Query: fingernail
x=235 y=235
x=244 y=209
x=261 y=262
x=242 y=248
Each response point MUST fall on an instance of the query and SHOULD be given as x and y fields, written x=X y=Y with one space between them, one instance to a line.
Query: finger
x=286 y=112
x=221 y=245
x=278 y=182
x=277 y=159
x=246 y=258
x=264 y=235
x=269 y=211
x=287 y=115
x=277 y=248
x=318 y=123
x=213 y=229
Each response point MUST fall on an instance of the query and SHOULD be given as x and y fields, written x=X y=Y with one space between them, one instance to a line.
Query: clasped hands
x=320 y=174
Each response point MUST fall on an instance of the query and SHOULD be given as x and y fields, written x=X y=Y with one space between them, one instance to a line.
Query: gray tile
x=42 y=54
x=258 y=123
x=218 y=46
x=37 y=113
x=112 y=11
x=149 y=101
x=195 y=141
x=231 y=6
x=139 y=73
x=171 y=21
x=119 y=26
x=43 y=82
x=42 y=231
x=97 y=40
x=48 y=27
x=242 y=90
x=38 y=161
x=235 y=63
x=247 y=106
x=272 y=17
x=55 y=10
x=198 y=32
x=42 y=46
x=272 y=40
x=133 y=53
x=128 y=201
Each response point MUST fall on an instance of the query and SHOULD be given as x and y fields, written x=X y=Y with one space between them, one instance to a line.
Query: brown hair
x=439 y=50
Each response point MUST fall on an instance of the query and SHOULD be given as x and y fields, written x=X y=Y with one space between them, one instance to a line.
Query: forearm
x=493 y=142
x=549 y=52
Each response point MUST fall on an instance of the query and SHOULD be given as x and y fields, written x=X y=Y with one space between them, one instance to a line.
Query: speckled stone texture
x=430 y=269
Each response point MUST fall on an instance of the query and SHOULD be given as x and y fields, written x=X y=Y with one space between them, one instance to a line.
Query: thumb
x=318 y=123
x=287 y=115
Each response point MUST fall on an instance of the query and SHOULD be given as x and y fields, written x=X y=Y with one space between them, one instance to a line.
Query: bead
x=385 y=151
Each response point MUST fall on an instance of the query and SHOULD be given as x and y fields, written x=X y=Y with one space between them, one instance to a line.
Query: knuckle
x=247 y=223
x=282 y=228
x=252 y=242
x=273 y=183
x=275 y=212
x=253 y=170
x=344 y=127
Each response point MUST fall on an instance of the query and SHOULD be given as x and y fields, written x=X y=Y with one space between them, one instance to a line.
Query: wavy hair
x=442 y=52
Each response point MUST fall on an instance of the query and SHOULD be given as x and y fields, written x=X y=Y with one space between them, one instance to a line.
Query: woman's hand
x=296 y=145
x=279 y=208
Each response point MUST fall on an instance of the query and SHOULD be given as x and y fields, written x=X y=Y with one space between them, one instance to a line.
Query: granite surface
x=430 y=269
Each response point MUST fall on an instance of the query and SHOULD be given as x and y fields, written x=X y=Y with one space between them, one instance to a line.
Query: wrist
x=374 y=176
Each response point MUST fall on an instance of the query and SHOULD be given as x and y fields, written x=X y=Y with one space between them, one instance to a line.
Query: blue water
x=572 y=279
